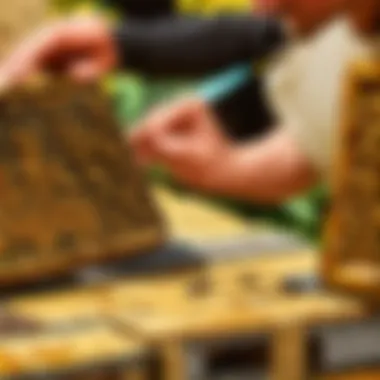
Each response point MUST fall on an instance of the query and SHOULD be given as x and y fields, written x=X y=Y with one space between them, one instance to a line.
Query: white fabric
x=305 y=86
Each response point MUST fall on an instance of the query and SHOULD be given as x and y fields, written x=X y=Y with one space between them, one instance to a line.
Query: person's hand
x=186 y=138
x=82 y=48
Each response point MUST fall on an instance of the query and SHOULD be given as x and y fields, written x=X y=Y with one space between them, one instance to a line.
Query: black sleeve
x=245 y=113
x=186 y=46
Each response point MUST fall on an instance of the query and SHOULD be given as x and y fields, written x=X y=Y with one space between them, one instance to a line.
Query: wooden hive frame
x=351 y=261
x=71 y=194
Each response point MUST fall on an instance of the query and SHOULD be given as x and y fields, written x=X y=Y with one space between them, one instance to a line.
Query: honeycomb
x=70 y=192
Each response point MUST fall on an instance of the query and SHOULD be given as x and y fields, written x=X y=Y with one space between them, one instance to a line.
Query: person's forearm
x=186 y=46
x=267 y=171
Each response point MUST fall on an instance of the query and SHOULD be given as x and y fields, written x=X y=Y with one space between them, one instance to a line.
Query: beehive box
x=17 y=19
x=70 y=192
x=352 y=259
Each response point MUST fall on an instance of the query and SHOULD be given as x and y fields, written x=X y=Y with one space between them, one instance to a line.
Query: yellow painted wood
x=173 y=359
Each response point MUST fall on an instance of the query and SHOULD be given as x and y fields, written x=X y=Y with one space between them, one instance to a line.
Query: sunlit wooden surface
x=191 y=218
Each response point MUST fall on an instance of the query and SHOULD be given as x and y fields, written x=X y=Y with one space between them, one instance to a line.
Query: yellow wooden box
x=352 y=253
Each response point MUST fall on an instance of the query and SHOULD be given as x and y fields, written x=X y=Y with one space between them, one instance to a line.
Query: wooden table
x=262 y=305
x=231 y=298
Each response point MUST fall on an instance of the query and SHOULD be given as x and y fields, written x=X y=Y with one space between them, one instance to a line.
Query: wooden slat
x=174 y=361
x=289 y=353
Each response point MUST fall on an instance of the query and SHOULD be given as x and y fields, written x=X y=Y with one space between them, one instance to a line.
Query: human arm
x=188 y=140
x=270 y=170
